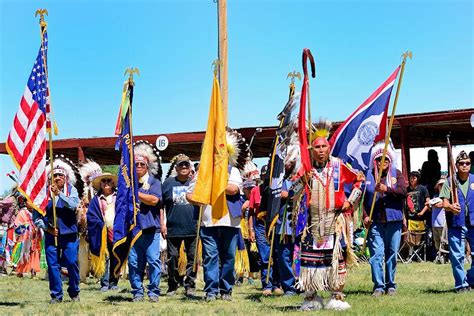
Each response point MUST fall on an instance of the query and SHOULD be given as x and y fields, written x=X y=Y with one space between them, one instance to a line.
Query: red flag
x=302 y=136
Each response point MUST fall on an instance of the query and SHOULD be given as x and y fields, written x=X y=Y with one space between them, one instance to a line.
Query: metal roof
x=418 y=130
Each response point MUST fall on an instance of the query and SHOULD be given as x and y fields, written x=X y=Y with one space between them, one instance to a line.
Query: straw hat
x=98 y=179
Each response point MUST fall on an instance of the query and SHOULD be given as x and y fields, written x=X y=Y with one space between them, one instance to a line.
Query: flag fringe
x=98 y=262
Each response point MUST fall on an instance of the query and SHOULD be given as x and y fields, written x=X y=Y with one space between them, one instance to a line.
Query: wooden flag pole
x=387 y=140
x=43 y=25
x=222 y=52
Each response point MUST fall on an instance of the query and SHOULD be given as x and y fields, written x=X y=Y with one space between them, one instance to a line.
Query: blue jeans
x=285 y=263
x=263 y=247
x=145 y=250
x=457 y=239
x=69 y=245
x=384 y=242
x=219 y=245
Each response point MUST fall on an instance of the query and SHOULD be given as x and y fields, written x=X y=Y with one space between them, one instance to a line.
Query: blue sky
x=356 y=45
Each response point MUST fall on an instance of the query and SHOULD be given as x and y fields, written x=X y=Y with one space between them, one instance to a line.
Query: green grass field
x=423 y=289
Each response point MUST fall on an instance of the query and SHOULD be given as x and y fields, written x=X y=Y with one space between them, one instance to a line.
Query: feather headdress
x=144 y=149
x=73 y=177
x=250 y=171
x=89 y=170
x=322 y=128
x=239 y=151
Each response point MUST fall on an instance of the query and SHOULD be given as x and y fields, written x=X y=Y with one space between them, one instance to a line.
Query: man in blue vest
x=386 y=222
x=65 y=252
x=460 y=220
x=147 y=247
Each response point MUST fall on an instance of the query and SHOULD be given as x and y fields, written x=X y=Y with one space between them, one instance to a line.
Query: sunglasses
x=464 y=163
x=58 y=175
x=104 y=181
x=184 y=164
x=140 y=164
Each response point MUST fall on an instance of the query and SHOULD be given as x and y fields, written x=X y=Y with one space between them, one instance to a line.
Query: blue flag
x=354 y=139
x=126 y=229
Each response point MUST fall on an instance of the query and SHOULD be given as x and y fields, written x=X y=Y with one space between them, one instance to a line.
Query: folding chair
x=414 y=242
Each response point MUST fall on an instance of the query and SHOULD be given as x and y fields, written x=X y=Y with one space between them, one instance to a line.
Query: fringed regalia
x=324 y=251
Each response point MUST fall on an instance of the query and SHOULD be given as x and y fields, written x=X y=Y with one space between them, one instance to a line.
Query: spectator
x=430 y=171
x=419 y=197
x=438 y=222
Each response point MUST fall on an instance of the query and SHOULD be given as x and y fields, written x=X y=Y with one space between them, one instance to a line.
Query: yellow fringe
x=182 y=261
x=242 y=263
x=253 y=247
x=244 y=228
x=98 y=262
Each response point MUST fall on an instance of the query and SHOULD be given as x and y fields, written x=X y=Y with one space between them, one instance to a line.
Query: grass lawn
x=423 y=289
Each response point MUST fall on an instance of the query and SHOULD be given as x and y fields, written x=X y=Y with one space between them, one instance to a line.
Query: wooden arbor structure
x=409 y=131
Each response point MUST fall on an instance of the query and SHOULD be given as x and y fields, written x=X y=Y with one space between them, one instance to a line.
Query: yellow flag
x=213 y=167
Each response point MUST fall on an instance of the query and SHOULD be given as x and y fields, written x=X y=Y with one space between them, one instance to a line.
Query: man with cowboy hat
x=460 y=220
x=100 y=224
x=65 y=252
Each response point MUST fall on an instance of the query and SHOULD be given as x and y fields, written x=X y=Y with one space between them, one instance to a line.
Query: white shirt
x=226 y=220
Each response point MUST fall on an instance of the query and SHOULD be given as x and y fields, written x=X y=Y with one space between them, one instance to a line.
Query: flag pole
x=43 y=26
x=216 y=64
x=222 y=53
x=196 y=250
x=387 y=139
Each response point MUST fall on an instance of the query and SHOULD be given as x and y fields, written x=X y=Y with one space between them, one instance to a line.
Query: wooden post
x=405 y=148
x=222 y=50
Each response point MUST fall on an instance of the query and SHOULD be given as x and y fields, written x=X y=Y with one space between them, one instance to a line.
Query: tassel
x=98 y=262
x=242 y=263
x=253 y=247
x=182 y=260
x=244 y=228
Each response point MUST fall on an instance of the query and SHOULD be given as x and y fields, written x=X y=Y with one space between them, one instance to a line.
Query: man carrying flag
x=217 y=188
x=26 y=144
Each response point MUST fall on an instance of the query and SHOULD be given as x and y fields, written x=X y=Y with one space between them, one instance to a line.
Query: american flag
x=26 y=141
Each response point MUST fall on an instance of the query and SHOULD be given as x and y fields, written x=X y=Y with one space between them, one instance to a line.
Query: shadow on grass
x=117 y=298
x=10 y=304
x=288 y=308
x=192 y=298
x=436 y=291
x=254 y=297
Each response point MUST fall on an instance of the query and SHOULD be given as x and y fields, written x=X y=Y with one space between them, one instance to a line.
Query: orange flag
x=213 y=173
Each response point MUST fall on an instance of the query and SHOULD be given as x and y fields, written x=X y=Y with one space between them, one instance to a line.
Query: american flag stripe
x=26 y=141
